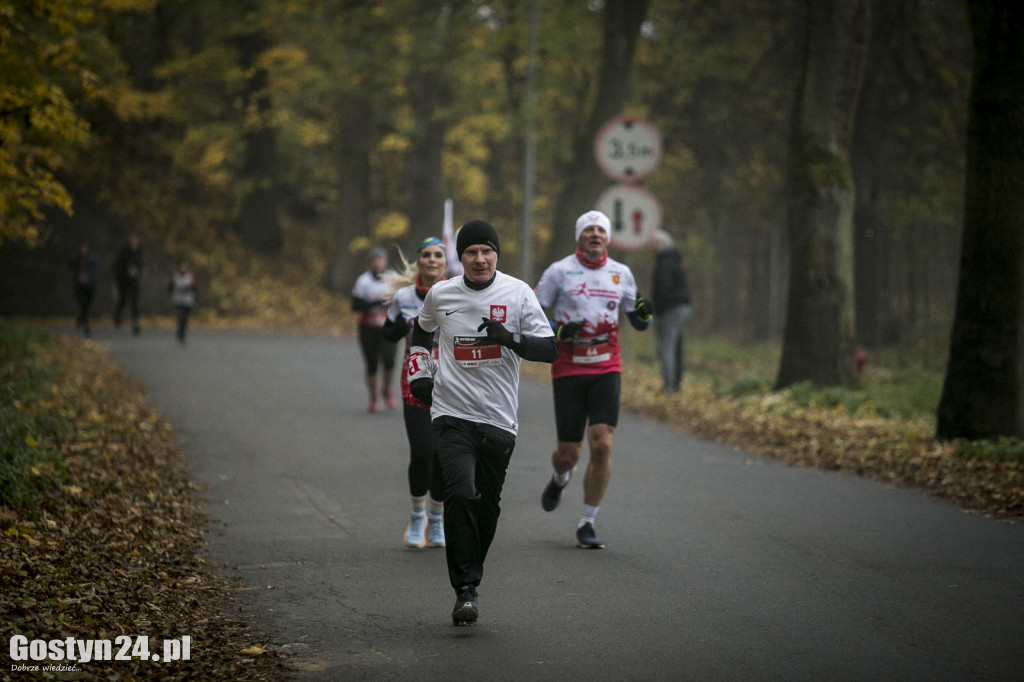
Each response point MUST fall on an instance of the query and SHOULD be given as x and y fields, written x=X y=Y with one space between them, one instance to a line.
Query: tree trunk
x=621 y=22
x=355 y=140
x=983 y=393
x=818 y=338
x=872 y=220
x=430 y=100
x=259 y=220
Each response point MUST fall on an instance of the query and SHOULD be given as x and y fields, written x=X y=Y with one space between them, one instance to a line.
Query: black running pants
x=474 y=458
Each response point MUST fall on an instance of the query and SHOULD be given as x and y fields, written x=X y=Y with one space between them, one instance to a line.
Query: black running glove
x=422 y=390
x=570 y=331
x=644 y=310
x=496 y=332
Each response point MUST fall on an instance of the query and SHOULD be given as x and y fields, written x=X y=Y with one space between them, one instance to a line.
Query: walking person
x=487 y=322
x=426 y=483
x=368 y=299
x=182 y=288
x=85 y=270
x=670 y=294
x=128 y=269
x=585 y=292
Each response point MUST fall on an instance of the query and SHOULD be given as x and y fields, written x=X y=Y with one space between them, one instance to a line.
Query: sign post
x=635 y=214
x=628 y=149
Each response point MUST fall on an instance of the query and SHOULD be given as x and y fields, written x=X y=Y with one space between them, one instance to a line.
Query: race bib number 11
x=476 y=351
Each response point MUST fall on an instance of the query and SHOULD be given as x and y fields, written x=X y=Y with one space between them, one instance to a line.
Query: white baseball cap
x=593 y=218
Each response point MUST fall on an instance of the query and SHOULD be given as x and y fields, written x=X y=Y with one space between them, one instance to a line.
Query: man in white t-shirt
x=585 y=293
x=488 y=322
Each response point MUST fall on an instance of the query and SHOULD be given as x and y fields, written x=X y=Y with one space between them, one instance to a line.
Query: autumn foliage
x=115 y=545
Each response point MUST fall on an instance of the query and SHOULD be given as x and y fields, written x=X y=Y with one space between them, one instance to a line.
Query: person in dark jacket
x=84 y=269
x=671 y=297
x=127 y=274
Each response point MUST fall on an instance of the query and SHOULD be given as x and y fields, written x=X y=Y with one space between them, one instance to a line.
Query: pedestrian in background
x=128 y=269
x=585 y=292
x=426 y=483
x=85 y=270
x=487 y=322
x=182 y=288
x=369 y=300
x=670 y=294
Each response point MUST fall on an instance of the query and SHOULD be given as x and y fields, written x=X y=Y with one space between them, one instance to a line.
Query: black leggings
x=376 y=349
x=425 y=474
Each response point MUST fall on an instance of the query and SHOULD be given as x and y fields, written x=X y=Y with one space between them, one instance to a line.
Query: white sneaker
x=435 y=531
x=413 y=537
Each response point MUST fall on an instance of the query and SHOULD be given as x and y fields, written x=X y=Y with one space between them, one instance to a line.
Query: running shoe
x=372 y=407
x=435 y=531
x=552 y=494
x=413 y=538
x=392 y=403
x=587 y=539
x=466 y=610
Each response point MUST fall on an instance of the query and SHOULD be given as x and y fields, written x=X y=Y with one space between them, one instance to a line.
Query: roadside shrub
x=29 y=464
x=747 y=385
x=998 y=449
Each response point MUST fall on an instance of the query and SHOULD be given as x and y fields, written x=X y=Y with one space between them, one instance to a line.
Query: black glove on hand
x=644 y=310
x=496 y=332
x=422 y=390
x=570 y=331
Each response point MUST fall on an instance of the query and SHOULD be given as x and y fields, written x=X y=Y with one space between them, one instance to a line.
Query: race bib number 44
x=476 y=351
x=592 y=351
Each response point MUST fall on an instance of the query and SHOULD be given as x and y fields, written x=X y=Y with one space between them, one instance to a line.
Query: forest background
x=274 y=142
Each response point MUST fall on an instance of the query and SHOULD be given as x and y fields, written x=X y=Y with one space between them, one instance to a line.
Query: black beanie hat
x=476 y=232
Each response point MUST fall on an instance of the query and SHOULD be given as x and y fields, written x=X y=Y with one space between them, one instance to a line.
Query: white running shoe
x=414 y=538
x=435 y=531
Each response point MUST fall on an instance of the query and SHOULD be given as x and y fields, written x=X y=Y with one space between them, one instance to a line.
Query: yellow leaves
x=254 y=650
x=282 y=57
x=309 y=133
x=394 y=142
x=392 y=225
x=129 y=103
x=125 y=5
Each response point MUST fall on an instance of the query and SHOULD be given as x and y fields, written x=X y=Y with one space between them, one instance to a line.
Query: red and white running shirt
x=371 y=288
x=406 y=303
x=575 y=292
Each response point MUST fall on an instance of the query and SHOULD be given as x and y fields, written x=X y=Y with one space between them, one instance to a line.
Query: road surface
x=720 y=565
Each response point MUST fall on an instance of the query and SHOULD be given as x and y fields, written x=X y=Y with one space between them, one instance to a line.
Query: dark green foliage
x=997 y=449
x=29 y=464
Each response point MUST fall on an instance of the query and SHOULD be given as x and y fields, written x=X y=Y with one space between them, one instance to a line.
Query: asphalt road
x=720 y=565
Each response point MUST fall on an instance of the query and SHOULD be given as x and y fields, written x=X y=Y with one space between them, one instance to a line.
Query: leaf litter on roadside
x=118 y=546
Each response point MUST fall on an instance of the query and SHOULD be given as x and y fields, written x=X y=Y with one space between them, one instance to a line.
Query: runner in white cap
x=585 y=293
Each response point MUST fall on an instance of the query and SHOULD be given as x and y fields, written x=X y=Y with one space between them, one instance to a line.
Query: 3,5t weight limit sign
x=627 y=148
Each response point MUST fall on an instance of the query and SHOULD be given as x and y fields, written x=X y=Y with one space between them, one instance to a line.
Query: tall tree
x=818 y=336
x=45 y=71
x=983 y=393
x=259 y=217
x=621 y=22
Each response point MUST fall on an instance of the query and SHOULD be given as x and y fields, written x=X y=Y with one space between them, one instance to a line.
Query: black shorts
x=593 y=397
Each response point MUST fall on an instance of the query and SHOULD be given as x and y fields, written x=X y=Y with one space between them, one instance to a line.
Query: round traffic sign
x=627 y=148
x=635 y=214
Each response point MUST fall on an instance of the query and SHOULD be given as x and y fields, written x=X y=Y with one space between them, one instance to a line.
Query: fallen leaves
x=118 y=547
x=897 y=450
